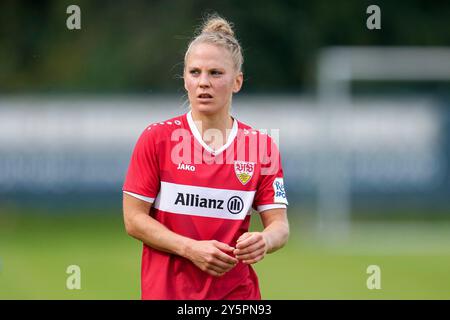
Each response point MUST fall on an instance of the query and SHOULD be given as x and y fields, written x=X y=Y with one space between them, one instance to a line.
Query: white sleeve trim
x=144 y=198
x=270 y=206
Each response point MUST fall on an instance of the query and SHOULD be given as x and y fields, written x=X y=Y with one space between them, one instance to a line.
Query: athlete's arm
x=207 y=255
x=251 y=247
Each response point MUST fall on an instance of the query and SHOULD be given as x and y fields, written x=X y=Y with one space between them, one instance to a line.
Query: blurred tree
x=138 y=45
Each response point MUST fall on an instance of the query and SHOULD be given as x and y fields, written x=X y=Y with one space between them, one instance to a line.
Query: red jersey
x=204 y=195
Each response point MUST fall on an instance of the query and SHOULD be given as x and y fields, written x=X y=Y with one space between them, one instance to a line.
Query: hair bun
x=218 y=31
x=217 y=24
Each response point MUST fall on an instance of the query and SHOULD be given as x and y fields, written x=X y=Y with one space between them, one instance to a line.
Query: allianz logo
x=187 y=167
x=234 y=204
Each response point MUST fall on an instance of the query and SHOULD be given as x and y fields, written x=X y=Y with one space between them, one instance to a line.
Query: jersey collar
x=198 y=136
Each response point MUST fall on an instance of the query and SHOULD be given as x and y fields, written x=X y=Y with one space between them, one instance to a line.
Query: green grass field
x=36 y=249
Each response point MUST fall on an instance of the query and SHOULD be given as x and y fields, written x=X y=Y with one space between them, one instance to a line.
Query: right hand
x=209 y=256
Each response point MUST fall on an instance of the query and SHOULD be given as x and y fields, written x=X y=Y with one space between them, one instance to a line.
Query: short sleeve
x=270 y=193
x=142 y=179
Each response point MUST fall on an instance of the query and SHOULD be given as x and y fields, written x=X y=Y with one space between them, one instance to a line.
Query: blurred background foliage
x=138 y=46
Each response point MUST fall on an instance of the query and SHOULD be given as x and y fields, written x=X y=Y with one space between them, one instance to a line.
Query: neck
x=221 y=121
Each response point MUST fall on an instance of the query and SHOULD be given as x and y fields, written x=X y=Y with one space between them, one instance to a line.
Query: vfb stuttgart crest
x=244 y=170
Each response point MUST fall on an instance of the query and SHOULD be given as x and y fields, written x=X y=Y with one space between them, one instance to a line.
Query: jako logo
x=182 y=166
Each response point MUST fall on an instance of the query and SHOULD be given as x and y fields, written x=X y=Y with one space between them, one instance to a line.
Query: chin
x=208 y=109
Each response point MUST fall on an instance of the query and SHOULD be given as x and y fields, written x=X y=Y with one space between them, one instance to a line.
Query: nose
x=204 y=80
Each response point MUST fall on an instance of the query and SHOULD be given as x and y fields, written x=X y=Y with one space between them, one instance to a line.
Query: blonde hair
x=218 y=31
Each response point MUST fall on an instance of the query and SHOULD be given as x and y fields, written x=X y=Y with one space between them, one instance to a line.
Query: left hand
x=251 y=247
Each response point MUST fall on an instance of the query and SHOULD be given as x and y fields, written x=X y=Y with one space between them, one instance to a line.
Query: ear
x=238 y=82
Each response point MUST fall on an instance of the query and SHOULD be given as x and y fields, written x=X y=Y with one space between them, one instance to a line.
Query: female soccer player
x=193 y=180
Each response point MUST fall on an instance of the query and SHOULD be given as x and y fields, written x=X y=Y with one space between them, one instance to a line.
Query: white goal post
x=337 y=68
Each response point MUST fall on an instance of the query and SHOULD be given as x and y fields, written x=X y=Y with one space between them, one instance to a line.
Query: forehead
x=209 y=56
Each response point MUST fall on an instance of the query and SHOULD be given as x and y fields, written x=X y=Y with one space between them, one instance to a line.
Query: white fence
x=66 y=143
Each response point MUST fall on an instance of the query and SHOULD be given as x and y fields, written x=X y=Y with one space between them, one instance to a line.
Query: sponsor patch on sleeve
x=280 y=194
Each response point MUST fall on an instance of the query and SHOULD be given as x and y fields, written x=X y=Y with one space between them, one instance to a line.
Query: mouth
x=204 y=96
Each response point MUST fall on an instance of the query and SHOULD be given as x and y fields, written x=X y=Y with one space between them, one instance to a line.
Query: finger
x=214 y=273
x=251 y=255
x=244 y=236
x=255 y=260
x=224 y=266
x=223 y=246
x=248 y=241
x=218 y=269
x=219 y=274
x=251 y=248
x=226 y=258
x=210 y=269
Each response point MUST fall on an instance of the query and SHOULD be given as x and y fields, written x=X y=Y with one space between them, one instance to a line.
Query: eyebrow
x=212 y=68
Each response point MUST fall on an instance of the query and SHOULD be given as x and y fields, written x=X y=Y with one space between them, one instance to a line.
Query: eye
x=216 y=72
x=194 y=72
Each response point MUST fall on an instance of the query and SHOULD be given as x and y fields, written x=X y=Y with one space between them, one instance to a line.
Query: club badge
x=244 y=171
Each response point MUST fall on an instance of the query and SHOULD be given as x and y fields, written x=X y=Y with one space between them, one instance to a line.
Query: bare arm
x=207 y=255
x=252 y=246
x=141 y=226
x=276 y=228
